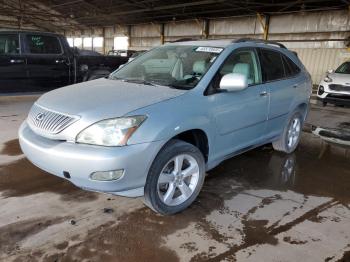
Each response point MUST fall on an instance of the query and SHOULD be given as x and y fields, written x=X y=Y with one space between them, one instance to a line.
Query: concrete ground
x=259 y=206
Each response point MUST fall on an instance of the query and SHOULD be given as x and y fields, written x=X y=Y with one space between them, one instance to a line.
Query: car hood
x=104 y=98
x=341 y=79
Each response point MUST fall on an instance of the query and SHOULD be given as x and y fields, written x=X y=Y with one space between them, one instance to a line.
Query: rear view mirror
x=233 y=82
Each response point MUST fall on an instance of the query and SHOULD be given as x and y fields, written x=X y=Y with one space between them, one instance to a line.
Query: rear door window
x=271 y=65
x=9 y=44
x=43 y=44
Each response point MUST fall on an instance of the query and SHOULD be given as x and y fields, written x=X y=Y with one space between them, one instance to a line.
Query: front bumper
x=81 y=160
x=335 y=99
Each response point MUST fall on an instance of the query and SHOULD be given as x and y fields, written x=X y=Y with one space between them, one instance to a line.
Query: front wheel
x=290 y=137
x=175 y=178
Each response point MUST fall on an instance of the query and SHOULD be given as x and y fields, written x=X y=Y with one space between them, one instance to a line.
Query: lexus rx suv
x=156 y=125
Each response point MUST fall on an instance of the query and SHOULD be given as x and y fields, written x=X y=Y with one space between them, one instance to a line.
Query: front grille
x=336 y=87
x=48 y=121
x=341 y=96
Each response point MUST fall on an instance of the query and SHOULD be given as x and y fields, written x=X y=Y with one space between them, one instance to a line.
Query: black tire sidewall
x=169 y=151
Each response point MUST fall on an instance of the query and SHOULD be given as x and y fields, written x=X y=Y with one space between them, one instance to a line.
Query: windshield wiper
x=179 y=87
x=139 y=81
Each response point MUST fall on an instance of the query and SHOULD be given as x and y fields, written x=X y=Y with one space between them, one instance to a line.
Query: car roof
x=27 y=32
x=226 y=42
x=214 y=43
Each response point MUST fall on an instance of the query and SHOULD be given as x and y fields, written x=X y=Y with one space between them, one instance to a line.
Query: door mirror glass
x=234 y=82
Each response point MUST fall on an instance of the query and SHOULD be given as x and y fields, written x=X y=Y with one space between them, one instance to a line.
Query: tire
x=321 y=103
x=163 y=189
x=283 y=143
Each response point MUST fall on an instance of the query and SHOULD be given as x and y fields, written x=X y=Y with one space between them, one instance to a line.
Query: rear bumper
x=81 y=160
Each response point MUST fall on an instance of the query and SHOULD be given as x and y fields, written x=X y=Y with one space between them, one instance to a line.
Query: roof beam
x=157 y=8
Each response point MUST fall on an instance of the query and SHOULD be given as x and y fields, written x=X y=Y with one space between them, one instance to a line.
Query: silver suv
x=335 y=87
x=155 y=126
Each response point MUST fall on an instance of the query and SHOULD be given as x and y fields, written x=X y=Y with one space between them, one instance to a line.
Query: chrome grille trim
x=52 y=122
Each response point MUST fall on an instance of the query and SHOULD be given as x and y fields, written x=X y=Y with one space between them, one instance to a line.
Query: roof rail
x=241 y=40
x=184 y=40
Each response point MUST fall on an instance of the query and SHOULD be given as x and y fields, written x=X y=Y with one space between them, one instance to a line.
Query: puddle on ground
x=315 y=169
x=22 y=178
x=11 y=148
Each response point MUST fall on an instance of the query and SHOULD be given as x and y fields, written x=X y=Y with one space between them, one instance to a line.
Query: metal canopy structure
x=54 y=15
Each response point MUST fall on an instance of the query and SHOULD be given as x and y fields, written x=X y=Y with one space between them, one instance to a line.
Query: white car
x=335 y=87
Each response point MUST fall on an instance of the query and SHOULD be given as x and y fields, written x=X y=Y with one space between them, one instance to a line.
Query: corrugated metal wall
x=144 y=36
x=309 y=29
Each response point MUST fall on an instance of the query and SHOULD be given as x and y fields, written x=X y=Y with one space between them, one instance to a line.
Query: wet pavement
x=259 y=206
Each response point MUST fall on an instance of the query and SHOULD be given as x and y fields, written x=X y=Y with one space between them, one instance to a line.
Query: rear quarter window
x=271 y=65
x=43 y=44
x=291 y=69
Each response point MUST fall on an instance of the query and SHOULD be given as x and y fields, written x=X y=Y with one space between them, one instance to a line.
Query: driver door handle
x=60 y=61
x=17 y=61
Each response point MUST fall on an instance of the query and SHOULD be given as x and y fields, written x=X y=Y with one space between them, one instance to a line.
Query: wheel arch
x=197 y=137
x=303 y=108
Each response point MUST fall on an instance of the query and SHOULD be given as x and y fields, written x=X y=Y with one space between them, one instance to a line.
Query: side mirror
x=233 y=82
x=330 y=71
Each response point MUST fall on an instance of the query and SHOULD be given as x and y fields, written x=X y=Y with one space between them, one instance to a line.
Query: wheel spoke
x=185 y=190
x=192 y=169
x=295 y=123
x=168 y=197
x=178 y=161
x=165 y=178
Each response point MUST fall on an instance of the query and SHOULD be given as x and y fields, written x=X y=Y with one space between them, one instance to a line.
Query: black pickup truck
x=37 y=61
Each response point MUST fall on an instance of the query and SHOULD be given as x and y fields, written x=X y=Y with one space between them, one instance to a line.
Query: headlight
x=110 y=132
x=320 y=90
x=328 y=79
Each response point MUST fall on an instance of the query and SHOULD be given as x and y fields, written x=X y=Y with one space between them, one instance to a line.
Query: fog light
x=107 y=175
x=320 y=90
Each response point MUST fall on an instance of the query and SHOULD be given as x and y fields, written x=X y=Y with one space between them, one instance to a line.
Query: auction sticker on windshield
x=209 y=49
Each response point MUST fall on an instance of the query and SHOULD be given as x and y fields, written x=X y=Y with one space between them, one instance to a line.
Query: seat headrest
x=199 y=67
x=242 y=68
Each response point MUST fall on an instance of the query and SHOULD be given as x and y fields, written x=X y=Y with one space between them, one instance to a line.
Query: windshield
x=344 y=68
x=176 y=66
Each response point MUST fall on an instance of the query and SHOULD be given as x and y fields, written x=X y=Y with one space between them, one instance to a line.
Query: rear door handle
x=264 y=93
x=16 y=61
x=60 y=61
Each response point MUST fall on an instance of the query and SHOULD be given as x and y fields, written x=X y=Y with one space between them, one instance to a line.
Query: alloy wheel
x=178 y=180
x=293 y=132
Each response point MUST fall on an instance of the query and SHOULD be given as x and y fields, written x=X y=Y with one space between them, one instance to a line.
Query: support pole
x=129 y=35
x=162 y=34
x=265 y=24
x=206 y=28
x=104 y=40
